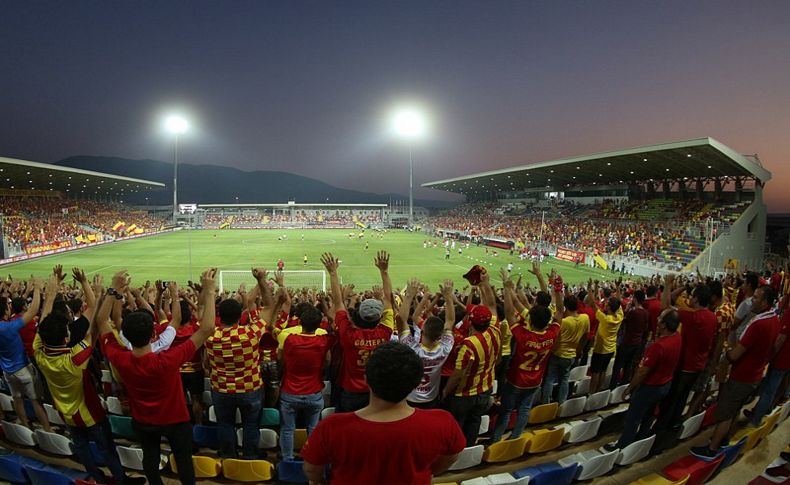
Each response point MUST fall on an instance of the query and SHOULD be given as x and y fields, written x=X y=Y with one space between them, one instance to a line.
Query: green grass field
x=167 y=257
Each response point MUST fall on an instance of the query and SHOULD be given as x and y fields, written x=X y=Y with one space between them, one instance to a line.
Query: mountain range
x=214 y=184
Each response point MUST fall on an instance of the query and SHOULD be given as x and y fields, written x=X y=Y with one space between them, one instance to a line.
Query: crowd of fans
x=300 y=219
x=36 y=221
x=412 y=370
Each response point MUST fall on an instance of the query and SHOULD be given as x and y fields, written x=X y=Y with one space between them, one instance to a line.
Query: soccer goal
x=316 y=279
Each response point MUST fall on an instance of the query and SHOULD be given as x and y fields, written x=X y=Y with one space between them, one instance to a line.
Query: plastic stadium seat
x=542 y=440
x=205 y=466
x=30 y=411
x=18 y=434
x=106 y=376
x=291 y=472
x=207 y=398
x=268 y=438
x=635 y=451
x=6 y=403
x=656 y=479
x=785 y=411
x=122 y=426
x=485 y=422
x=698 y=471
x=132 y=458
x=572 y=407
x=710 y=416
x=98 y=455
x=205 y=436
x=114 y=405
x=592 y=463
x=598 y=400
x=506 y=479
x=612 y=422
x=212 y=415
x=54 y=443
x=557 y=476
x=505 y=450
x=54 y=415
x=300 y=438
x=692 y=425
x=578 y=373
x=207 y=384
x=270 y=417
x=771 y=421
x=752 y=436
x=582 y=387
x=618 y=394
x=47 y=475
x=730 y=454
x=11 y=470
x=469 y=457
x=543 y=413
x=327 y=412
x=247 y=470
x=579 y=431
x=475 y=481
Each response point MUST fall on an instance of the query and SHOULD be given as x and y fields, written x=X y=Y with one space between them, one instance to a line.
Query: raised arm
x=449 y=305
x=541 y=280
x=267 y=298
x=510 y=309
x=119 y=282
x=405 y=305
x=487 y=296
x=87 y=292
x=175 y=305
x=331 y=264
x=35 y=305
x=53 y=284
x=208 y=320
x=666 y=295
x=382 y=262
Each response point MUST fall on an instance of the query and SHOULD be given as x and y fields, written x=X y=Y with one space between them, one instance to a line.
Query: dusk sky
x=305 y=87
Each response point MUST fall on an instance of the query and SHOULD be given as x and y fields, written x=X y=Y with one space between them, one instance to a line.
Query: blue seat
x=561 y=476
x=206 y=436
x=536 y=470
x=47 y=476
x=730 y=455
x=30 y=410
x=291 y=472
x=98 y=455
x=11 y=470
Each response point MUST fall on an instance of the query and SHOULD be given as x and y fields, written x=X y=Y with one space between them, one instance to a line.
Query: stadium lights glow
x=176 y=124
x=409 y=122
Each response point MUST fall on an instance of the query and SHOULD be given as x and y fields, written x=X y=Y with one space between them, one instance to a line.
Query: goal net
x=316 y=279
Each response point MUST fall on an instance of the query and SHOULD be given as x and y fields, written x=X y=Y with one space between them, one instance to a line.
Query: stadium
x=634 y=230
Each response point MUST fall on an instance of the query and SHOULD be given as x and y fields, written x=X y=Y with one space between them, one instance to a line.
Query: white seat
x=327 y=412
x=114 y=405
x=327 y=390
x=18 y=434
x=495 y=387
x=106 y=376
x=469 y=457
x=506 y=479
x=485 y=422
x=785 y=411
x=609 y=368
x=592 y=463
x=692 y=425
x=579 y=431
x=206 y=384
x=582 y=387
x=268 y=438
x=476 y=481
x=618 y=394
x=6 y=403
x=572 y=407
x=212 y=415
x=53 y=415
x=635 y=451
x=54 y=443
x=578 y=373
x=598 y=400
x=207 y=398
x=132 y=458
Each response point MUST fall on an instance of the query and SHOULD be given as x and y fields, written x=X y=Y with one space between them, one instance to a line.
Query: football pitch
x=167 y=257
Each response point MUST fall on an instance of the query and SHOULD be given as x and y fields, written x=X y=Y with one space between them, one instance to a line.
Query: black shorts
x=600 y=362
x=192 y=382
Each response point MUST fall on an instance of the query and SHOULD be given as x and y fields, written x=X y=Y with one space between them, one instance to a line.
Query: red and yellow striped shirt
x=478 y=354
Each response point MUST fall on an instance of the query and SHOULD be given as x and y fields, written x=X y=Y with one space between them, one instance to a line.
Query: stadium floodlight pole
x=409 y=123
x=176 y=125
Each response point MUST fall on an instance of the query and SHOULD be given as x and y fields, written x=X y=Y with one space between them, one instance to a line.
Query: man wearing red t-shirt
x=653 y=306
x=360 y=338
x=153 y=381
x=698 y=334
x=387 y=441
x=582 y=359
x=651 y=381
x=748 y=358
x=779 y=369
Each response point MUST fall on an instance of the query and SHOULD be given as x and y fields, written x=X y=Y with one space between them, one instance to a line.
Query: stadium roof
x=690 y=159
x=24 y=175
x=305 y=204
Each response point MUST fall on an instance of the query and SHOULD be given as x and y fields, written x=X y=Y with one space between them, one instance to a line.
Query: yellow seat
x=300 y=437
x=247 y=470
x=543 y=413
x=770 y=422
x=205 y=466
x=542 y=440
x=505 y=450
x=752 y=437
x=656 y=479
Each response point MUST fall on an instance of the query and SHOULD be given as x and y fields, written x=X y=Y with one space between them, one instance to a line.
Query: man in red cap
x=471 y=384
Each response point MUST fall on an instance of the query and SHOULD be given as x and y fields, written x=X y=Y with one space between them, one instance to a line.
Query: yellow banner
x=131 y=228
x=118 y=225
x=91 y=237
x=138 y=231
x=601 y=262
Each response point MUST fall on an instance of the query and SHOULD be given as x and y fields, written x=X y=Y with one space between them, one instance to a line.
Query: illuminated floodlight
x=409 y=123
x=176 y=124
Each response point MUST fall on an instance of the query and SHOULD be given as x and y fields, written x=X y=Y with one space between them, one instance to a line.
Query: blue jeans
x=290 y=405
x=558 y=370
x=640 y=413
x=771 y=382
x=102 y=435
x=514 y=398
x=249 y=405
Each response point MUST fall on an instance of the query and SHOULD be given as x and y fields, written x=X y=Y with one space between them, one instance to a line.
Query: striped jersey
x=478 y=354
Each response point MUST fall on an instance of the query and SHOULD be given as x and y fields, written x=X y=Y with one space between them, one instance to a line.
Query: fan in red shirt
x=749 y=357
x=653 y=306
x=590 y=312
x=387 y=441
x=153 y=381
x=775 y=380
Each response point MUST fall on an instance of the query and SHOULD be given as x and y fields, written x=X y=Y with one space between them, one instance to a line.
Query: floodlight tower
x=410 y=124
x=176 y=125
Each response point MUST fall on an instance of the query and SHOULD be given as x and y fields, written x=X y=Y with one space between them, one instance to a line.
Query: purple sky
x=305 y=86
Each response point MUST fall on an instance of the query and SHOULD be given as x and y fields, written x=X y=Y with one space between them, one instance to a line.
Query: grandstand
x=681 y=206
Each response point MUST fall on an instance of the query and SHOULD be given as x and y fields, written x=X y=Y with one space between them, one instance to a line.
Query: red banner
x=47 y=247
x=567 y=254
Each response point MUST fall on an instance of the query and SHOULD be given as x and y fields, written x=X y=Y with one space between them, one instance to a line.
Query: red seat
x=709 y=418
x=699 y=471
